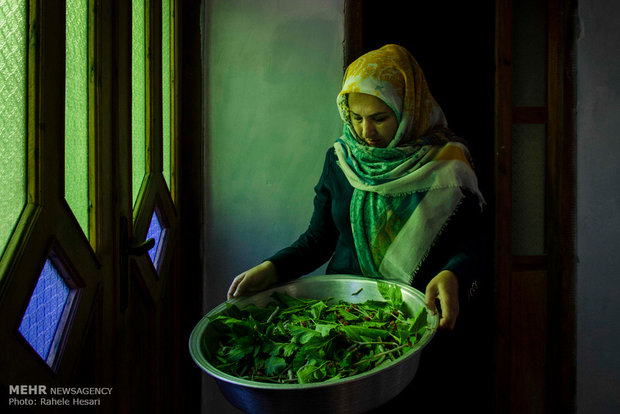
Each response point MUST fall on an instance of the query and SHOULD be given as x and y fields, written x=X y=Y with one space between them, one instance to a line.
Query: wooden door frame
x=188 y=195
x=563 y=200
x=185 y=285
x=559 y=262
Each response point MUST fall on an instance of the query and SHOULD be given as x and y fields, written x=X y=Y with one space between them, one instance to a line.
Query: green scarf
x=403 y=198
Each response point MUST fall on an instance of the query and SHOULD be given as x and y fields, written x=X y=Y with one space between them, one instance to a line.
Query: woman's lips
x=373 y=142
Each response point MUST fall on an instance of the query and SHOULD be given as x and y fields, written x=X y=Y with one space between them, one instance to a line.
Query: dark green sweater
x=329 y=237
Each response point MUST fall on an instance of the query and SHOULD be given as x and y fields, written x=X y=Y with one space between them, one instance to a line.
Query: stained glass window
x=44 y=320
x=158 y=233
x=13 y=114
x=138 y=95
x=76 y=110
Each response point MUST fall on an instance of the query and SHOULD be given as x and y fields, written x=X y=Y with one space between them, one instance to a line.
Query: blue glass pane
x=44 y=312
x=155 y=232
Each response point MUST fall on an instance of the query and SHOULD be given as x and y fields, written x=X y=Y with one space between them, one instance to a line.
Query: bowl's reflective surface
x=355 y=394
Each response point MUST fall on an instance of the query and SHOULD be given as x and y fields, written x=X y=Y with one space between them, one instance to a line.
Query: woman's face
x=372 y=119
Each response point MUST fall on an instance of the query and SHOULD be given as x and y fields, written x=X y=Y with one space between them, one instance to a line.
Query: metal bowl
x=355 y=394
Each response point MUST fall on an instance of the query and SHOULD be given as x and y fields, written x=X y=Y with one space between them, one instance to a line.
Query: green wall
x=274 y=69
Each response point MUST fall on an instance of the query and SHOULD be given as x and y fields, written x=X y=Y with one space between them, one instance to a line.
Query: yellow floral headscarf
x=393 y=75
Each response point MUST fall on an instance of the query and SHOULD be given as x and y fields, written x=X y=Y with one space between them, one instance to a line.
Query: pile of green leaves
x=296 y=340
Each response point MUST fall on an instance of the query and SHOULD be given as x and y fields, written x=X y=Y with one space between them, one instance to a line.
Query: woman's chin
x=375 y=143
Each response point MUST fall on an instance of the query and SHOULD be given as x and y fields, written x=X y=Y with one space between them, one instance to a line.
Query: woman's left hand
x=445 y=287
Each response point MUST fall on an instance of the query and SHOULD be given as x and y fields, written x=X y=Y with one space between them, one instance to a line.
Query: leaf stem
x=376 y=343
x=273 y=314
x=380 y=354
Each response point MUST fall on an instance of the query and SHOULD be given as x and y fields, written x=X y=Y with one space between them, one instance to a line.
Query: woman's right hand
x=254 y=280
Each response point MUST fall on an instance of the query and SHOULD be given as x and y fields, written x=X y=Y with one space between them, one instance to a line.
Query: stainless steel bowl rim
x=201 y=326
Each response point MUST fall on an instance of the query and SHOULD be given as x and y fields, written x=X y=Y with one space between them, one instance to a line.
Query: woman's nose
x=368 y=129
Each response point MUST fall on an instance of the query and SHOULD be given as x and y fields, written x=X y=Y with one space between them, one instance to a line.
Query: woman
x=397 y=197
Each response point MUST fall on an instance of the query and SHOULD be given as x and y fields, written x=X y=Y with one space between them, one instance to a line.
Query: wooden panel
x=529 y=115
x=527 y=263
x=141 y=393
x=353 y=36
x=190 y=191
x=561 y=199
x=529 y=341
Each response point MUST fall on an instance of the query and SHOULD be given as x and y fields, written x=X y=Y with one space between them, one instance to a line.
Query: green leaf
x=314 y=346
x=239 y=351
x=273 y=365
x=390 y=292
x=233 y=311
x=324 y=328
x=317 y=308
x=301 y=334
x=377 y=304
x=258 y=313
x=270 y=348
x=306 y=374
x=419 y=324
x=299 y=359
x=361 y=333
x=291 y=301
x=289 y=349
x=348 y=316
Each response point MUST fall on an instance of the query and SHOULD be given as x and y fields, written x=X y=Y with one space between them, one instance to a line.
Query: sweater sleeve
x=460 y=249
x=316 y=245
x=466 y=248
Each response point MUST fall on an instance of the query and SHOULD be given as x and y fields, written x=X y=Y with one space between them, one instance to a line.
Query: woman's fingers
x=444 y=287
x=234 y=290
x=450 y=310
x=255 y=279
x=431 y=297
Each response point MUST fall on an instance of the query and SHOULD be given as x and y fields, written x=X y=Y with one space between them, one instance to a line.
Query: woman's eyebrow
x=371 y=115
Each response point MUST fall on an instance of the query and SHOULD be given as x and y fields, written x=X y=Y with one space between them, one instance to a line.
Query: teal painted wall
x=273 y=70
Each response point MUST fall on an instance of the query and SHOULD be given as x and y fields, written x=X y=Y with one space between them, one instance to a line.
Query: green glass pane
x=13 y=114
x=166 y=73
x=76 y=110
x=138 y=96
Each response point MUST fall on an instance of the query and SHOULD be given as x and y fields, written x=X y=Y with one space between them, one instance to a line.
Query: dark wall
x=598 y=205
x=454 y=44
